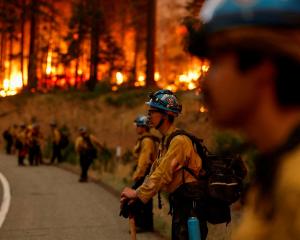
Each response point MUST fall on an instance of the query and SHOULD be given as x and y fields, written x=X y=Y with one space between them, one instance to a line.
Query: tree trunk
x=2 y=35
x=2 y=55
x=136 y=54
x=32 y=78
x=23 y=18
x=76 y=72
x=10 y=55
x=94 y=50
x=150 y=52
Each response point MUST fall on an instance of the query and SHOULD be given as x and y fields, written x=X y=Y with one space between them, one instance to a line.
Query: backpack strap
x=174 y=134
x=88 y=141
x=202 y=151
x=190 y=172
x=153 y=138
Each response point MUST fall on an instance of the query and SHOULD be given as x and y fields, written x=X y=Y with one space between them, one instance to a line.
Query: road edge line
x=4 y=207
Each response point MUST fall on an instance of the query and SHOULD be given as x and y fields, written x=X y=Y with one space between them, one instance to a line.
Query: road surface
x=48 y=203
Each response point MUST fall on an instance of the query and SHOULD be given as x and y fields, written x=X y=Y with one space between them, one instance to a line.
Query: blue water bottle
x=194 y=229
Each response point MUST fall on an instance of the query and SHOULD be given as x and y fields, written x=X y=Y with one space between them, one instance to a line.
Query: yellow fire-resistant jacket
x=286 y=221
x=22 y=136
x=56 y=136
x=81 y=144
x=145 y=152
x=166 y=173
x=34 y=136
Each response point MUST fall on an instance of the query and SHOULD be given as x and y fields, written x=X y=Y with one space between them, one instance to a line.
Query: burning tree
x=74 y=43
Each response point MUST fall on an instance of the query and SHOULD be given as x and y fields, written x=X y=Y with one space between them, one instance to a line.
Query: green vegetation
x=127 y=98
x=231 y=143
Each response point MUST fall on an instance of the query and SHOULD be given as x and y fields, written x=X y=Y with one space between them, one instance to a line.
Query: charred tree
x=150 y=51
x=32 y=77
x=22 y=40
x=95 y=31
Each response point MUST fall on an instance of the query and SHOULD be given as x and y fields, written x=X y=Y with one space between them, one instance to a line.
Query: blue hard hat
x=141 y=121
x=165 y=100
x=218 y=15
x=82 y=129
x=221 y=16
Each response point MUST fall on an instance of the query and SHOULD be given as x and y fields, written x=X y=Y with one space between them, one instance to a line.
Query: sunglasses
x=150 y=111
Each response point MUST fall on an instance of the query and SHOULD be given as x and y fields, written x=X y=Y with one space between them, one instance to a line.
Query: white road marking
x=5 y=200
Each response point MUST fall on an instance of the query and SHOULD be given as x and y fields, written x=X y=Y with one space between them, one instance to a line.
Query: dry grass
x=112 y=125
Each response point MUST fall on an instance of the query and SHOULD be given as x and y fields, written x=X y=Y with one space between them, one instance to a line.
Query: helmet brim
x=161 y=108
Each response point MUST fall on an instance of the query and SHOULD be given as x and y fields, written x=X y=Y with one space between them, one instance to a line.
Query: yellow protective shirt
x=286 y=221
x=56 y=136
x=81 y=144
x=22 y=136
x=34 y=136
x=145 y=152
x=166 y=173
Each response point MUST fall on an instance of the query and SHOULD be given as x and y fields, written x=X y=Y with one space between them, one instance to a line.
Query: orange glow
x=203 y=109
x=49 y=60
x=156 y=76
x=75 y=36
x=119 y=78
x=141 y=81
x=12 y=86
x=181 y=30
x=172 y=87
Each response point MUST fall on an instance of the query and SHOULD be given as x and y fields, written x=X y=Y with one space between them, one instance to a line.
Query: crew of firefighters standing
x=27 y=142
x=252 y=86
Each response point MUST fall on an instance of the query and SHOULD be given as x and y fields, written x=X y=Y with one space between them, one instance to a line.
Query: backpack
x=91 y=151
x=64 y=140
x=6 y=135
x=224 y=175
x=155 y=139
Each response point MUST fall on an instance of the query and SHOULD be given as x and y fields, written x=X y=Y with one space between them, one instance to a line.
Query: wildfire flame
x=55 y=75
x=12 y=86
x=141 y=81
x=49 y=60
x=119 y=78
x=203 y=109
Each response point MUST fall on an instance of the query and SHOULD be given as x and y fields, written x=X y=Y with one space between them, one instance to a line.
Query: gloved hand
x=131 y=209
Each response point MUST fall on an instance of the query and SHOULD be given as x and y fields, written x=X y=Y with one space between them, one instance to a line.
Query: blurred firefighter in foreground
x=35 y=141
x=253 y=86
x=21 y=144
x=56 y=147
x=85 y=146
x=145 y=152
x=167 y=173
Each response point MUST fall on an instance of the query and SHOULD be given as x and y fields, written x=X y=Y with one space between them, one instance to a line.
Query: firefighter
x=21 y=144
x=34 y=141
x=145 y=152
x=9 y=136
x=187 y=194
x=56 y=147
x=253 y=86
x=86 y=146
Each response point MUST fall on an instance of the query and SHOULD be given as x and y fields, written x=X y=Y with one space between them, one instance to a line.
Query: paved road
x=48 y=203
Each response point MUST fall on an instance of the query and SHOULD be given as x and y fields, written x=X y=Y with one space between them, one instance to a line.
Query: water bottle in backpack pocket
x=194 y=228
x=224 y=175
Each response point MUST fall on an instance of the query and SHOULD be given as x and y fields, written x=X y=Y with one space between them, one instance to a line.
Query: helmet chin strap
x=162 y=120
